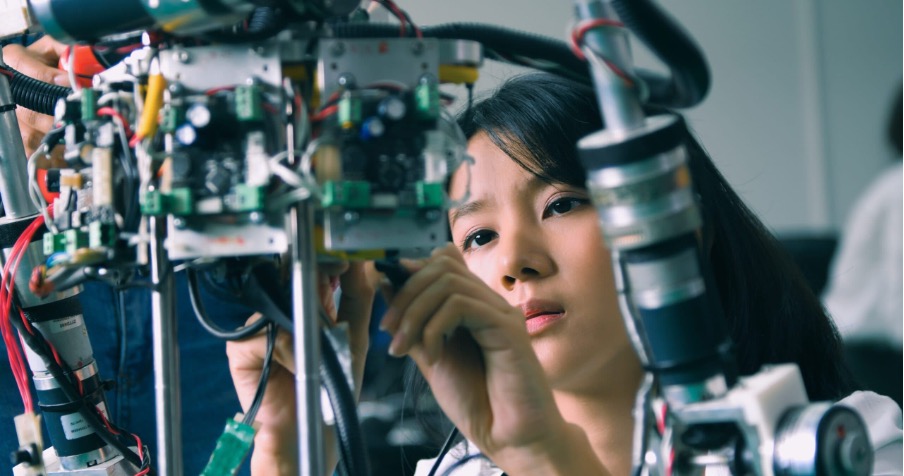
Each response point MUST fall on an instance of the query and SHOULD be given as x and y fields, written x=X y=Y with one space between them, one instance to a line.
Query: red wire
x=581 y=29
x=7 y=291
x=144 y=471
x=109 y=111
x=6 y=72
x=326 y=112
x=396 y=12
x=577 y=39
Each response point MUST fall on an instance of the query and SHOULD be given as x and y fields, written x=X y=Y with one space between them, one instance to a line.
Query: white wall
x=801 y=88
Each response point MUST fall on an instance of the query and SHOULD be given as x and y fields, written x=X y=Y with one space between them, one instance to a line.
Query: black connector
x=393 y=270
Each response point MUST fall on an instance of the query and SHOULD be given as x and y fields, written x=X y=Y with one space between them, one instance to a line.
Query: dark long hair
x=772 y=315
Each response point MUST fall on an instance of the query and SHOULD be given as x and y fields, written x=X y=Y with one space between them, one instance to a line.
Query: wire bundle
x=402 y=15
x=7 y=291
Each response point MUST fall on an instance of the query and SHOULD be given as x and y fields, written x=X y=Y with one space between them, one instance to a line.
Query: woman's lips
x=540 y=322
x=540 y=314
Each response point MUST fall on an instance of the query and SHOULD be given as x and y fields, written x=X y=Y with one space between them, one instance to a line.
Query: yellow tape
x=458 y=74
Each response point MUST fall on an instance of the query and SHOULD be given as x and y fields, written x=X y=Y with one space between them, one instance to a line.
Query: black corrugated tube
x=34 y=94
x=690 y=79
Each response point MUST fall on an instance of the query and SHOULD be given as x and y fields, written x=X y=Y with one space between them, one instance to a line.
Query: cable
x=34 y=94
x=204 y=319
x=458 y=464
x=7 y=292
x=690 y=78
x=352 y=449
x=348 y=427
x=442 y=452
x=396 y=13
x=265 y=375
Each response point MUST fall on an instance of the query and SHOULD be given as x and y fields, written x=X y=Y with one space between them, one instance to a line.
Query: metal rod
x=13 y=162
x=166 y=356
x=307 y=341
x=618 y=102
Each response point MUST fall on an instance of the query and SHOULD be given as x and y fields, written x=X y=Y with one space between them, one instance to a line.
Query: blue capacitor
x=372 y=128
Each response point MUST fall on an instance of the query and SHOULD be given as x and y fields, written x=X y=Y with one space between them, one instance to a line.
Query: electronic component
x=231 y=450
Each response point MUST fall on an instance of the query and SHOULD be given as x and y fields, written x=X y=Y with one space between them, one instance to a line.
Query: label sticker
x=65 y=324
x=75 y=426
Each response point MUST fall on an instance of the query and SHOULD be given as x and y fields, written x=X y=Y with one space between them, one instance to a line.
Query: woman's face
x=540 y=247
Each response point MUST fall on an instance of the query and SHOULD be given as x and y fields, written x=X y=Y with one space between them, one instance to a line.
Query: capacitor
x=198 y=115
x=372 y=128
x=186 y=134
x=392 y=108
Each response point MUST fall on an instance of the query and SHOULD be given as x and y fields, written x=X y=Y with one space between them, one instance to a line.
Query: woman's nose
x=523 y=256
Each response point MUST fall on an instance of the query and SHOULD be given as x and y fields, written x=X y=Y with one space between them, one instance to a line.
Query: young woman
x=516 y=326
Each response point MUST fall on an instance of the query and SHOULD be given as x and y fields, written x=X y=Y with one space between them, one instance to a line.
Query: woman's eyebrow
x=467 y=209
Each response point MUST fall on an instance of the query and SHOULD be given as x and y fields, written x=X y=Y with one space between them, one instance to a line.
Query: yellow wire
x=152 y=104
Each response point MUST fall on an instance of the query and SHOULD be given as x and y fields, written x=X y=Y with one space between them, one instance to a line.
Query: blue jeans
x=123 y=350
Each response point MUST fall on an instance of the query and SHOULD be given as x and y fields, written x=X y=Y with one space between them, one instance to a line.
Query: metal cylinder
x=166 y=356
x=305 y=308
x=13 y=162
x=619 y=102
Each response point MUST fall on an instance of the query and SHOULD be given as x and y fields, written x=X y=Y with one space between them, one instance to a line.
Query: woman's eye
x=478 y=239
x=564 y=205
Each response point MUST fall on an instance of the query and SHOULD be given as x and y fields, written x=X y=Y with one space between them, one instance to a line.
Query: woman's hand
x=473 y=349
x=38 y=61
x=276 y=444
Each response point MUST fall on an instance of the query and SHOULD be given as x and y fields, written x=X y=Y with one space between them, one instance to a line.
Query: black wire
x=194 y=294
x=458 y=464
x=265 y=375
x=276 y=305
x=348 y=428
x=470 y=87
x=263 y=293
x=442 y=452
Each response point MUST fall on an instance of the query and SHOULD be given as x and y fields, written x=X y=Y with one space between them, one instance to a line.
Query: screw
x=346 y=80
x=256 y=217
x=179 y=223
x=351 y=217
x=417 y=48
x=182 y=56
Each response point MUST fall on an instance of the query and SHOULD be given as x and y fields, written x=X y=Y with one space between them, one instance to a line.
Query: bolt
x=256 y=217
x=338 y=49
x=179 y=223
x=351 y=217
x=417 y=48
x=259 y=50
x=182 y=56
x=346 y=80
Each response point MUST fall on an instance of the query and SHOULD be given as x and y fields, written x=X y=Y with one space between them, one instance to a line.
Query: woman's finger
x=424 y=273
x=424 y=307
